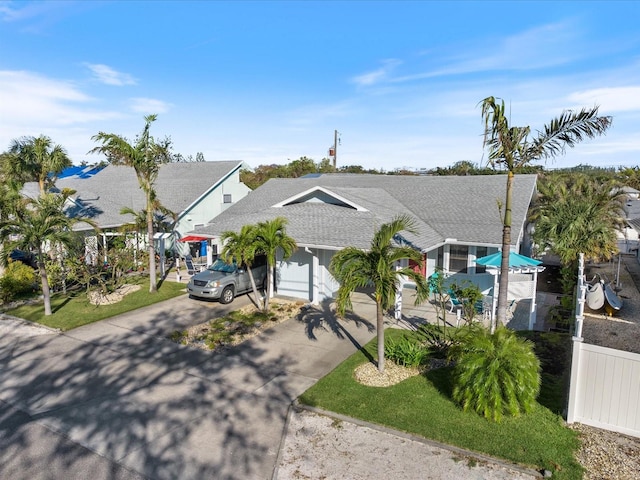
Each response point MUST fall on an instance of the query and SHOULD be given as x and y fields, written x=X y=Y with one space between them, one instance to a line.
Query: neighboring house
x=627 y=239
x=458 y=217
x=195 y=191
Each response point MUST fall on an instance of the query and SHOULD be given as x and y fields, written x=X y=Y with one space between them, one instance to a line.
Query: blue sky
x=269 y=82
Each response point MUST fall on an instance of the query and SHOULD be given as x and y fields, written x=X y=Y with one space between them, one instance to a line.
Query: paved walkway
x=115 y=400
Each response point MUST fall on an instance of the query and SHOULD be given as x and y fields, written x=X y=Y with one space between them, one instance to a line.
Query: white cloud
x=613 y=99
x=535 y=48
x=31 y=105
x=10 y=13
x=30 y=99
x=149 y=106
x=109 y=76
x=376 y=76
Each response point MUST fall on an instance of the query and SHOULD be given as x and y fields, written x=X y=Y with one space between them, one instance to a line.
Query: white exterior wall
x=328 y=286
x=605 y=388
x=294 y=276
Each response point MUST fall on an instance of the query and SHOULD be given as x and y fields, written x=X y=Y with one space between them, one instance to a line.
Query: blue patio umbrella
x=203 y=249
x=516 y=261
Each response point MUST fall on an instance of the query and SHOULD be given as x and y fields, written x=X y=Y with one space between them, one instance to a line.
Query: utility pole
x=333 y=151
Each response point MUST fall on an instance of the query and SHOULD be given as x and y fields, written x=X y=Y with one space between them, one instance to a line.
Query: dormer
x=320 y=195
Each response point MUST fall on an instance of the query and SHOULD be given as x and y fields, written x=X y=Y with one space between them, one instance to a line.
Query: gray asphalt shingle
x=178 y=185
x=461 y=208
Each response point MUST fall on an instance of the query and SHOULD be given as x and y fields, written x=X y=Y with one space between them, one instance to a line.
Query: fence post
x=574 y=381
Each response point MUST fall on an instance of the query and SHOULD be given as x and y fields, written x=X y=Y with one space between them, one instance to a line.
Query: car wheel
x=227 y=295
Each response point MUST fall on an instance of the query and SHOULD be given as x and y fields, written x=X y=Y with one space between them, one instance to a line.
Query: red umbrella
x=193 y=238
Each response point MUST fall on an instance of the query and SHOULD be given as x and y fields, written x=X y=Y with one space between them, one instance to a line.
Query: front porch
x=412 y=316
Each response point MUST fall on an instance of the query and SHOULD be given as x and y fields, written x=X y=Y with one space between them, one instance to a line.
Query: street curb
x=283 y=437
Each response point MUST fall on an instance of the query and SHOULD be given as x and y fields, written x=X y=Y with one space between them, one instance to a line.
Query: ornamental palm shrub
x=496 y=374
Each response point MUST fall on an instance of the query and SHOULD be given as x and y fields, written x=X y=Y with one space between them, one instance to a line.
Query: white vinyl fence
x=605 y=388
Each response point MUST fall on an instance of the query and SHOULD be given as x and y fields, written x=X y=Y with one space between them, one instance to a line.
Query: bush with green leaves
x=405 y=352
x=469 y=294
x=18 y=279
x=496 y=374
x=438 y=340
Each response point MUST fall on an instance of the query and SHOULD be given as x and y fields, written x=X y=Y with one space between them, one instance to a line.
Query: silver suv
x=224 y=281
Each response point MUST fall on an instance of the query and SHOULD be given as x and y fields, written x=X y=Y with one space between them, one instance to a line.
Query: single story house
x=459 y=219
x=195 y=191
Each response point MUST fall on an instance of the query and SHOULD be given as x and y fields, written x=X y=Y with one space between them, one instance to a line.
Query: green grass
x=74 y=310
x=422 y=405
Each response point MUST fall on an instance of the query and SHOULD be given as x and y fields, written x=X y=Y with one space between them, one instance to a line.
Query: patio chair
x=191 y=269
x=454 y=301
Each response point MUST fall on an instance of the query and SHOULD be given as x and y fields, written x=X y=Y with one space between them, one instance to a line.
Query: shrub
x=496 y=374
x=18 y=279
x=179 y=336
x=405 y=352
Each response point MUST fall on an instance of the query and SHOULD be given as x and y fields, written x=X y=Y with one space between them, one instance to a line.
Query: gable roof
x=179 y=185
x=446 y=208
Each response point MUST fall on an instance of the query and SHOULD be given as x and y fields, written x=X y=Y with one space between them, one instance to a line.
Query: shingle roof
x=462 y=208
x=178 y=186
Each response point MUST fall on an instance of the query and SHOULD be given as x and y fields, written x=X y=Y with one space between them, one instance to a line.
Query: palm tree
x=145 y=155
x=9 y=193
x=379 y=266
x=578 y=214
x=241 y=248
x=495 y=374
x=271 y=236
x=37 y=160
x=512 y=149
x=35 y=224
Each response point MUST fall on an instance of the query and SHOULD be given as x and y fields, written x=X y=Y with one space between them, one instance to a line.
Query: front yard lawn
x=74 y=309
x=422 y=405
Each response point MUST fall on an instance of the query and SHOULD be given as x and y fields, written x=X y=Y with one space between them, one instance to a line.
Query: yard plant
x=496 y=374
x=378 y=267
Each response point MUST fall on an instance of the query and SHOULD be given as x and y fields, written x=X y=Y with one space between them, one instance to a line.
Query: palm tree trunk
x=46 y=293
x=503 y=287
x=269 y=287
x=380 y=327
x=253 y=286
x=153 y=282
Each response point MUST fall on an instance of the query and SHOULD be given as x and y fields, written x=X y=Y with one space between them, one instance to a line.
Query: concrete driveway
x=115 y=400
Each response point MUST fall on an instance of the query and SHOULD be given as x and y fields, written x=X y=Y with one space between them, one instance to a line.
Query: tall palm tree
x=512 y=148
x=270 y=237
x=35 y=224
x=37 y=160
x=241 y=248
x=379 y=266
x=145 y=156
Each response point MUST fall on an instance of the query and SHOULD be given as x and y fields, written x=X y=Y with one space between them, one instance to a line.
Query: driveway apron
x=117 y=399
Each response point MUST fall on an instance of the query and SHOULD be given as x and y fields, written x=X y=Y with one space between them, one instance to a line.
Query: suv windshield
x=220 y=266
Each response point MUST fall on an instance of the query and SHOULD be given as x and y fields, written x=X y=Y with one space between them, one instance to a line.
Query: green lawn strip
x=421 y=405
x=74 y=310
